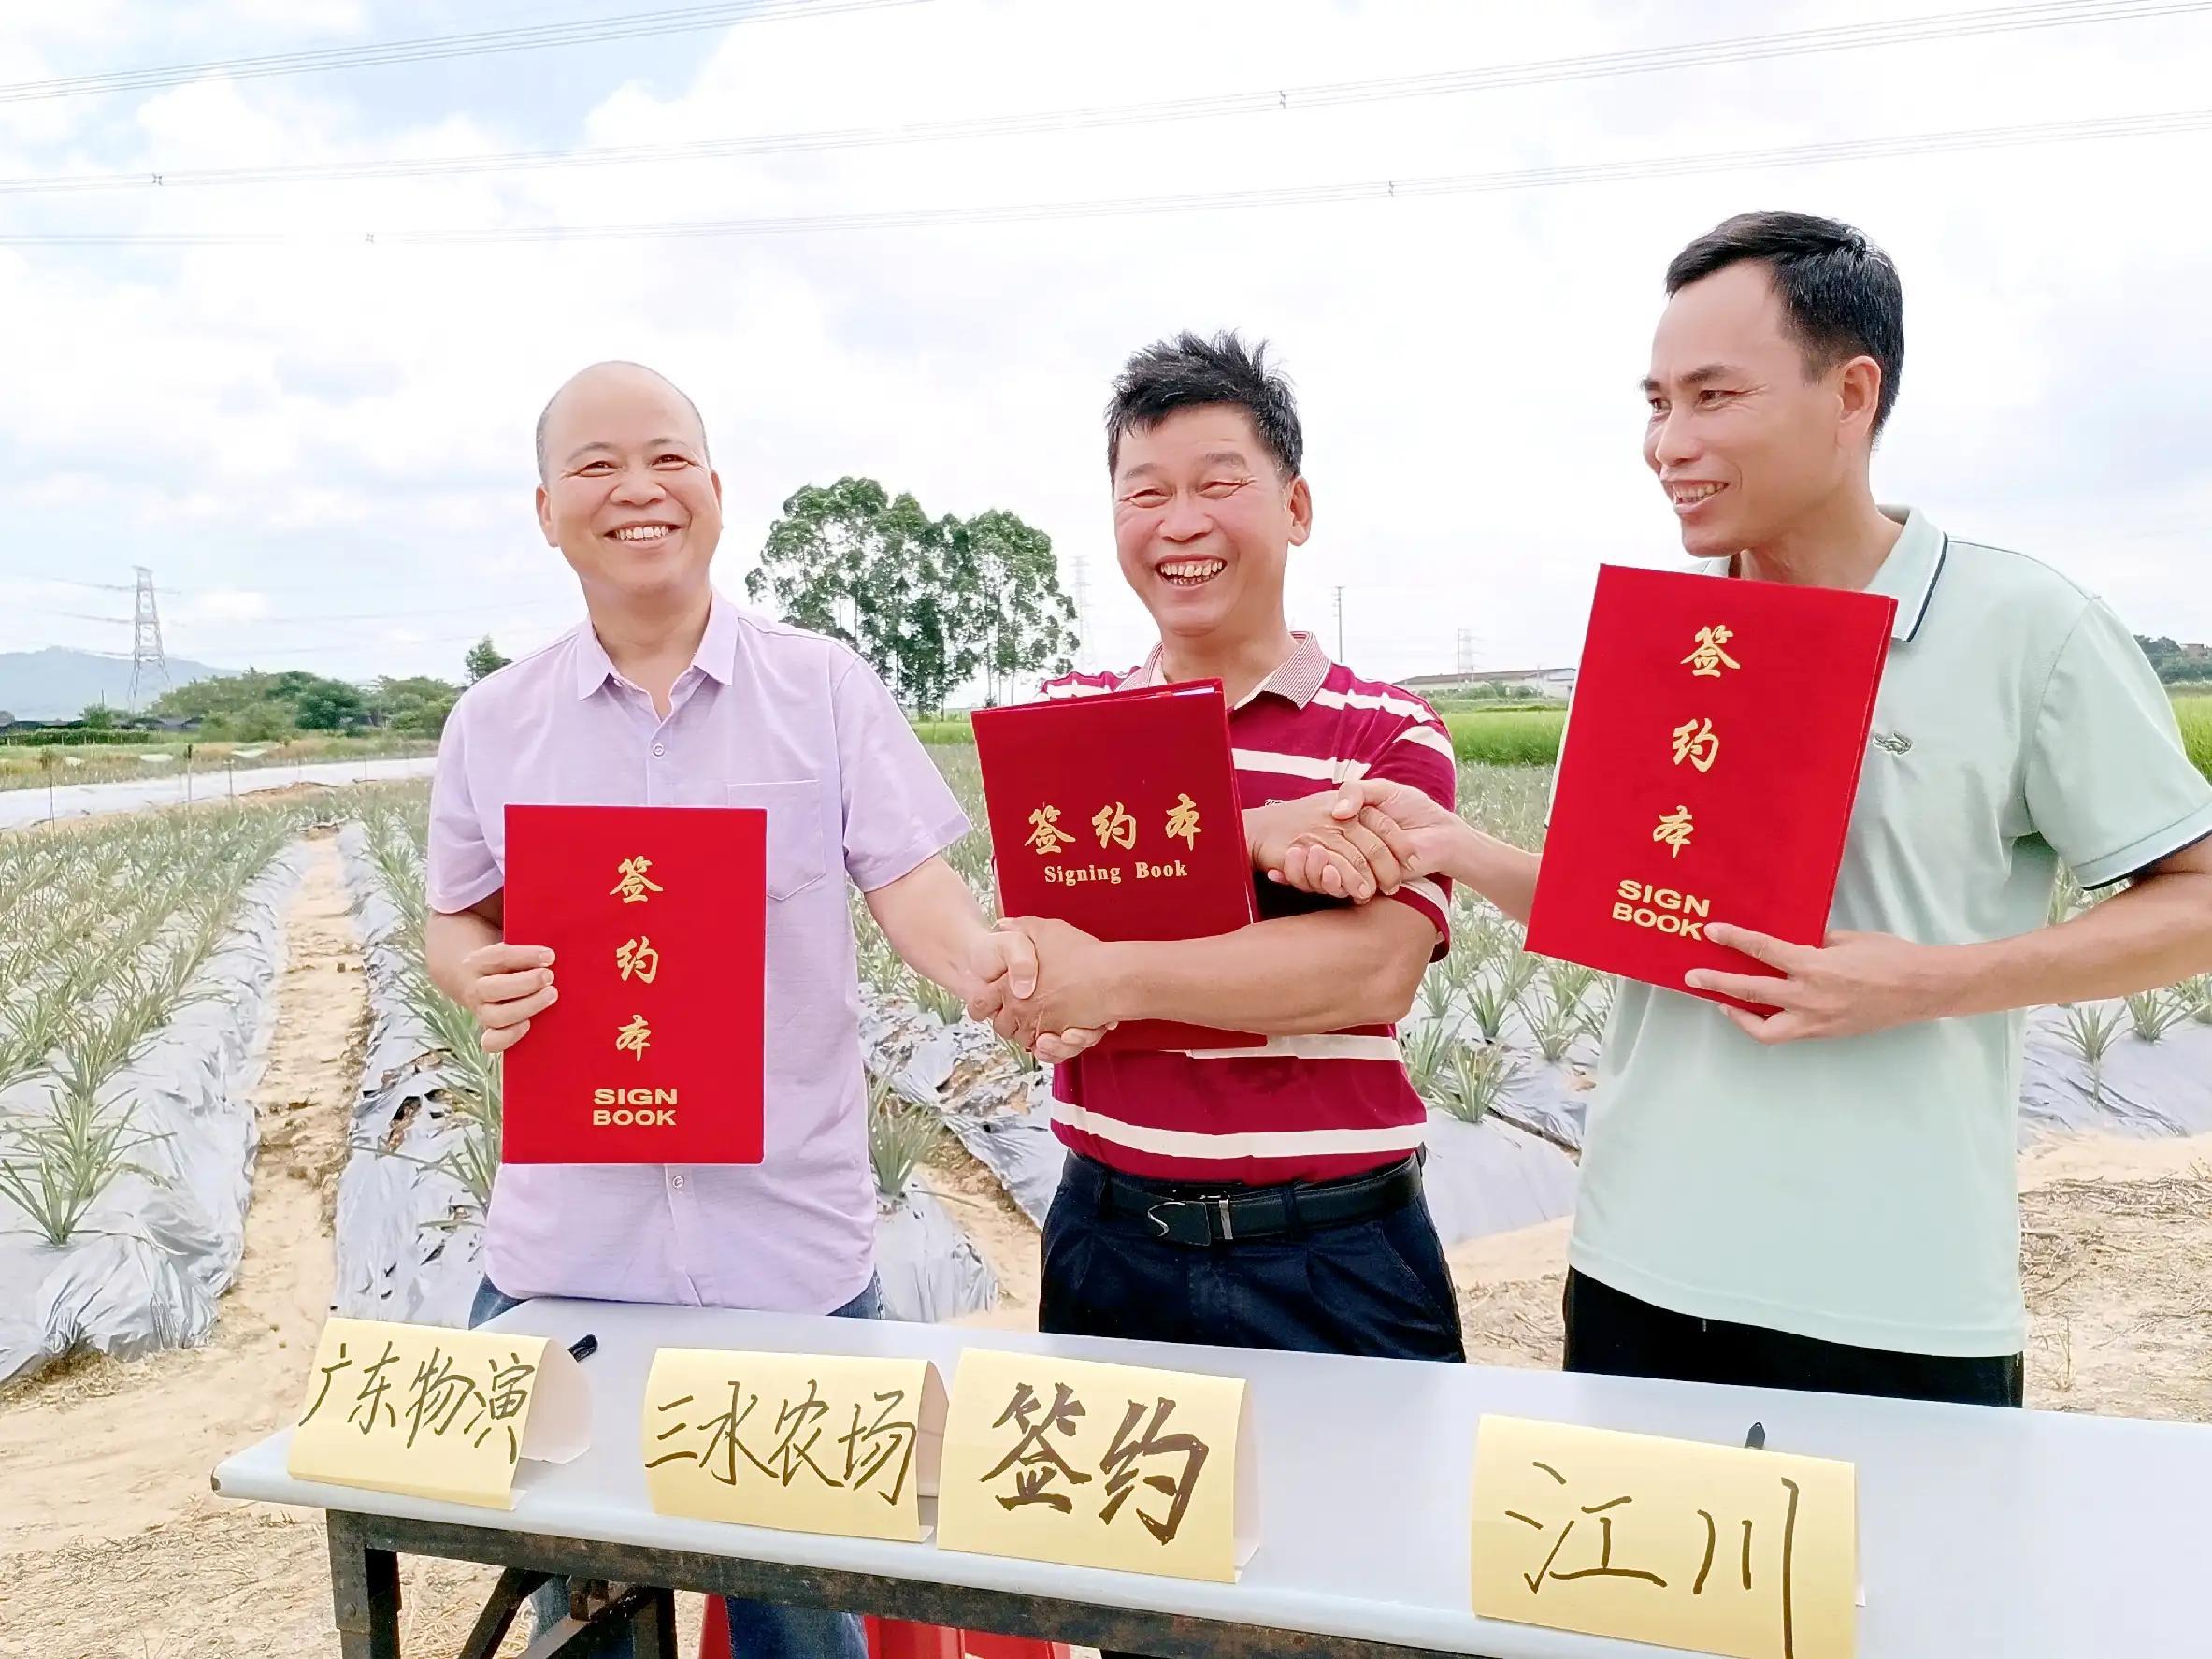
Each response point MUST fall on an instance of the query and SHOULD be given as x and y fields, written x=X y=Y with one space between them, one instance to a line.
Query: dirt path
x=110 y=1525
x=102 y=1449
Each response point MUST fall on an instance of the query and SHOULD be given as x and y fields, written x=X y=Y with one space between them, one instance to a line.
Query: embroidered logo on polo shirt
x=1895 y=741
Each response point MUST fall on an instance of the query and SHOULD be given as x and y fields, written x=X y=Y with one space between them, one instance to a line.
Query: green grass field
x=1530 y=734
x=2195 y=715
x=1507 y=735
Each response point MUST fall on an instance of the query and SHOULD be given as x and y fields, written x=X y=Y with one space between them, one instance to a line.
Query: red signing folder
x=1119 y=814
x=657 y=919
x=1710 y=761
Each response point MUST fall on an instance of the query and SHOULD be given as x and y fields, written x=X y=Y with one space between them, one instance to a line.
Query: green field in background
x=1529 y=735
x=2195 y=714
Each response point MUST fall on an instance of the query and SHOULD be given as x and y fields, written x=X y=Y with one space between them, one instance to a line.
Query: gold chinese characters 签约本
x=1114 y=827
x=1046 y=837
x=635 y=886
x=1709 y=656
x=637 y=957
x=1696 y=743
x=1182 y=821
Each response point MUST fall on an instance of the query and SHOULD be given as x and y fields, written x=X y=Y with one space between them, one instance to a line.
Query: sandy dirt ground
x=2115 y=1261
x=112 y=1547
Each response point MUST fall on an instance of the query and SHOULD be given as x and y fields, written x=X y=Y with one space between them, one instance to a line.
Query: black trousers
x=1614 y=1334
x=1379 y=1286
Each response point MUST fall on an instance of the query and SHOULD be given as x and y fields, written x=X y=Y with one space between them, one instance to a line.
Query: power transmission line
x=287 y=621
x=1890 y=147
x=1746 y=49
x=640 y=25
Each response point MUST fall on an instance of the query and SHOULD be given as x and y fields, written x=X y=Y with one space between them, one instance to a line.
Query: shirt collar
x=1908 y=575
x=717 y=655
x=1296 y=678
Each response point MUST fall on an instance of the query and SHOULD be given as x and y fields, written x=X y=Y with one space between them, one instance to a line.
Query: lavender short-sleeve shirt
x=767 y=715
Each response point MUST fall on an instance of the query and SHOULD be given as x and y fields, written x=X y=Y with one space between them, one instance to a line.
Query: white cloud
x=346 y=425
x=225 y=605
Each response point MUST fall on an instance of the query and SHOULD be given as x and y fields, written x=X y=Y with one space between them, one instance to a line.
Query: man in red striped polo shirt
x=1271 y=1196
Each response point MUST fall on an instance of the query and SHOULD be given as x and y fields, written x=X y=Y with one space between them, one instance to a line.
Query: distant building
x=1557 y=683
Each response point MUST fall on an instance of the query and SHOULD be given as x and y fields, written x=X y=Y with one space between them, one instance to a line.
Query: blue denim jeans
x=758 y=1629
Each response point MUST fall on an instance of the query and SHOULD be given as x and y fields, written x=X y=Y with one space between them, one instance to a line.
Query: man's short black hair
x=1840 y=291
x=1187 y=373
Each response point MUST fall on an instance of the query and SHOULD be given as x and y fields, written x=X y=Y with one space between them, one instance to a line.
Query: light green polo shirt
x=1863 y=1190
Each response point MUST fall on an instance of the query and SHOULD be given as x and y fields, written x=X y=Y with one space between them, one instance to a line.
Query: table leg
x=652 y=1628
x=613 y=1621
x=365 y=1593
x=509 y=1597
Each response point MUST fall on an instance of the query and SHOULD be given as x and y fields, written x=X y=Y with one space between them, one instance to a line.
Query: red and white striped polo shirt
x=1298 y=1108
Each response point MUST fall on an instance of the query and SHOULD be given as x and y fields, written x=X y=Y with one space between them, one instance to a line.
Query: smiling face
x=1747 y=436
x=1203 y=524
x=628 y=495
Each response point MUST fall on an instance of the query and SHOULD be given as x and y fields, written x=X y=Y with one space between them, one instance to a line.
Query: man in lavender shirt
x=669 y=695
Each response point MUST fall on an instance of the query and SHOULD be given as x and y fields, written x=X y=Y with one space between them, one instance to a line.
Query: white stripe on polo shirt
x=1288 y=1143
x=1428 y=890
x=1428 y=737
x=1329 y=769
x=1375 y=699
x=1332 y=1046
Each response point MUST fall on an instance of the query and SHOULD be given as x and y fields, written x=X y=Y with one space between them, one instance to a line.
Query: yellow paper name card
x=1716 y=1548
x=1098 y=1465
x=822 y=1443
x=436 y=1413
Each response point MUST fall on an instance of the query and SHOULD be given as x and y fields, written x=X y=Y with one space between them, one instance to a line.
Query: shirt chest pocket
x=796 y=856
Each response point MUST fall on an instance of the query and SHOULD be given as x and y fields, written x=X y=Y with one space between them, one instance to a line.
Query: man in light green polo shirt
x=1825 y=1197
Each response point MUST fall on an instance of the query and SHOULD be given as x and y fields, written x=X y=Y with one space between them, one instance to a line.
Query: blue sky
x=321 y=448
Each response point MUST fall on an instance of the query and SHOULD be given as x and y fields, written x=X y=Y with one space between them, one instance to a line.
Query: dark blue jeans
x=1379 y=1286
x=758 y=1629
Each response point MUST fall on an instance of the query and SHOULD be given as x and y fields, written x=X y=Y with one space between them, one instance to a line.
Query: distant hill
x=56 y=684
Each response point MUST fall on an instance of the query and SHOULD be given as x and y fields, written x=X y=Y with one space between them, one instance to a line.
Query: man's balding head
x=615 y=375
x=625 y=489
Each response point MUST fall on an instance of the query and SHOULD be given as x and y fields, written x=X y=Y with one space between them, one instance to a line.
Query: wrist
x=1954 y=980
x=1256 y=848
x=1475 y=860
x=1127 y=980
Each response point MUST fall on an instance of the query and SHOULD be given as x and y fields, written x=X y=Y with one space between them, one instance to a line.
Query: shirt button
x=659 y=749
x=677 y=1182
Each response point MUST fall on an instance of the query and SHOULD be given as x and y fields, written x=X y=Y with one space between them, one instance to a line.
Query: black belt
x=1202 y=1217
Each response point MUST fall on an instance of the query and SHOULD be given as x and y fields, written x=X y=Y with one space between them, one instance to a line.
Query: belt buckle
x=1219 y=1206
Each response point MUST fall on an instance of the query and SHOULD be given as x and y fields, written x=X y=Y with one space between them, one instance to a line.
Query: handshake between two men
x=1067 y=989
